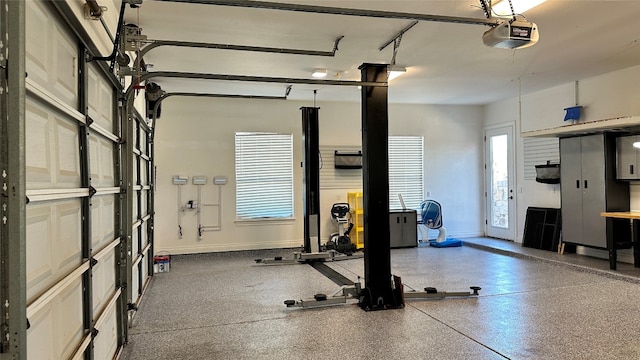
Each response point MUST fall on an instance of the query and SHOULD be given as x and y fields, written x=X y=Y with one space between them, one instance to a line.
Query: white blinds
x=264 y=175
x=406 y=171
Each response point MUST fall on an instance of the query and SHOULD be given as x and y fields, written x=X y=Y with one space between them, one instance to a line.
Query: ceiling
x=447 y=63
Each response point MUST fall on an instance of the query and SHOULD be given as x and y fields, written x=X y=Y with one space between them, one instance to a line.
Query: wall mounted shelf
x=626 y=123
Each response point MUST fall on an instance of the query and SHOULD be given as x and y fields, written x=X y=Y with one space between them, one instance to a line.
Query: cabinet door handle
x=631 y=169
x=585 y=184
x=405 y=219
x=577 y=184
x=398 y=220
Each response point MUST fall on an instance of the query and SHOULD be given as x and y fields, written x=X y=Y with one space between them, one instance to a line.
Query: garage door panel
x=40 y=235
x=145 y=271
x=56 y=329
x=102 y=215
x=101 y=163
x=135 y=211
x=66 y=57
x=52 y=149
x=69 y=244
x=144 y=170
x=136 y=165
x=104 y=279
x=52 y=59
x=106 y=343
x=144 y=144
x=106 y=162
x=135 y=284
x=144 y=237
x=94 y=159
x=38 y=144
x=67 y=153
x=53 y=243
x=101 y=99
x=143 y=203
x=134 y=242
x=40 y=341
x=69 y=320
x=38 y=41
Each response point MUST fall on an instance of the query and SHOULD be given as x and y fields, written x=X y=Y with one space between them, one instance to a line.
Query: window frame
x=403 y=145
x=250 y=170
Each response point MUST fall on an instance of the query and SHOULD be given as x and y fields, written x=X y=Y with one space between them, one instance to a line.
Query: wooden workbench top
x=622 y=214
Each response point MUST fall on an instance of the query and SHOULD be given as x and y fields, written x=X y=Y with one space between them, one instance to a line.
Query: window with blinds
x=264 y=176
x=406 y=171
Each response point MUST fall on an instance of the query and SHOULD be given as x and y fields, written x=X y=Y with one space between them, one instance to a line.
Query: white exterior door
x=499 y=183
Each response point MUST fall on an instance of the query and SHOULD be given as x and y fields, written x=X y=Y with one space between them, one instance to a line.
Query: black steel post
x=311 y=179
x=378 y=293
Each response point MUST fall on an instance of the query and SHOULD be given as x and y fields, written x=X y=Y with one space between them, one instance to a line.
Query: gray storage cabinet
x=403 y=228
x=589 y=187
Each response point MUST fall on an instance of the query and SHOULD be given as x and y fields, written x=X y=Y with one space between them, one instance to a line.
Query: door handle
x=511 y=197
x=585 y=184
x=631 y=169
x=577 y=184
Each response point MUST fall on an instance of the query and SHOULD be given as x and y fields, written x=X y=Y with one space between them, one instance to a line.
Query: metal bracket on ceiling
x=92 y=10
x=396 y=42
x=398 y=36
x=133 y=37
x=130 y=71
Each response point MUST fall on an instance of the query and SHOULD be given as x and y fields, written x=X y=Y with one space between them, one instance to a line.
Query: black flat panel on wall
x=542 y=228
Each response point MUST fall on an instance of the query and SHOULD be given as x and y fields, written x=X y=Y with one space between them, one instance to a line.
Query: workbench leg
x=636 y=242
x=611 y=245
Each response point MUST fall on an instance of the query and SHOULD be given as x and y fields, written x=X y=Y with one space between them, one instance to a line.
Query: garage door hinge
x=4 y=66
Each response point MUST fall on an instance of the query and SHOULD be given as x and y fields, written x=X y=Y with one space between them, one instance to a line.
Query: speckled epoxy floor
x=533 y=305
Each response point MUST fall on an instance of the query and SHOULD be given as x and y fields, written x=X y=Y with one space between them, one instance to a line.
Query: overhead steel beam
x=343 y=11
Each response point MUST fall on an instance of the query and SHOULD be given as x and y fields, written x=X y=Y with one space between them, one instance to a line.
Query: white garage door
x=73 y=191
x=141 y=245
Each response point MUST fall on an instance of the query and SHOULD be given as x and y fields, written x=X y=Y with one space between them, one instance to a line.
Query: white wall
x=195 y=136
x=603 y=97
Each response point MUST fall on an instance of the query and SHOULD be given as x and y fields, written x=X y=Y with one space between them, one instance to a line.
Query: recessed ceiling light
x=319 y=73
